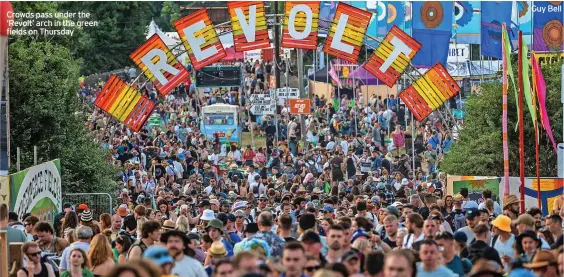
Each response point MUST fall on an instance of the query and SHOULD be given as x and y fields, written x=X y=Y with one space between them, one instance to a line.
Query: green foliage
x=479 y=149
x=44 y=112
x=170 y=12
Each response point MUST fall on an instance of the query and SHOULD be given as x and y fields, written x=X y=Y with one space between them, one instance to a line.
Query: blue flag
x=432 y=27
x=493 y=15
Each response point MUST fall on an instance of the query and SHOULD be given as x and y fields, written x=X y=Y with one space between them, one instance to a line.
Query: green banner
x=475 y=188
x=37 y=190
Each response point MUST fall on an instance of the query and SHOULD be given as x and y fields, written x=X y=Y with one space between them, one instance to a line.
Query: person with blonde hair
x=100 y=255
x=182 y=224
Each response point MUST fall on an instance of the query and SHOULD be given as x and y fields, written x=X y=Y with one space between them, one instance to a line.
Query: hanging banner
x=347 y=32
x=549 y=58
x=200 y=39
x=467 y=18
x=547 y=26
x=37 y=190
x=429 y=92
x=262 y=104
x=124 y=103
x=248 y=22
x=301 y=24
x=493 y=15
x=253 y=55
x=300 y=106
x=432 y=27
x=160 y=65
x=392 y=56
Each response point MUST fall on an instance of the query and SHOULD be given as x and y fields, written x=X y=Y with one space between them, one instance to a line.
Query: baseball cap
x=472 y=213
x=311 y=237
x=525 y=219
x=158 y=254
x=82 y=207
x=460 y=236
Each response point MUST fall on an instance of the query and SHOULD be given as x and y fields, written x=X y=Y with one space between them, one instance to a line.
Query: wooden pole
x=521 y=125
x=504 y=122
x=3 y=253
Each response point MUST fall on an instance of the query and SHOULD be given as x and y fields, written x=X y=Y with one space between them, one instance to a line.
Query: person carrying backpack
x=151 y=231
x=456 y=218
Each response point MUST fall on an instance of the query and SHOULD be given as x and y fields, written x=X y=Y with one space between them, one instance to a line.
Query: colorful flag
x=526 y=83
x=432 y=27
x=547 y=26
x=539 y=86
x=508 y=68
x=493 y=15
x=467 y=22
x=505 y=84
x=334 y=76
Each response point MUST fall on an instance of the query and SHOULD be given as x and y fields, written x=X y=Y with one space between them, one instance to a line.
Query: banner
x=300 y=106
x=262 y=104
x=458 y=53
x=248 y=21
x=476 y=187
x=547 y=26
x=37 y=190
x=200 y=39
x=301 y=23
x=432 y=27
x=548 y=58
x=493 y=15
x=253 y=55
x=160 y=65
x=124 y=103
x=347 y=32
x=396 y=14
x=392 y=56
x=467 y=22
x=429 y=92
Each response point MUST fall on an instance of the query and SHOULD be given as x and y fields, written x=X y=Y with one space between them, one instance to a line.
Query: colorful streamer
x=539 y=85
x=526 y=83
x=505 y=85
x=429 y=92
x=508 y=68
x=125 y=103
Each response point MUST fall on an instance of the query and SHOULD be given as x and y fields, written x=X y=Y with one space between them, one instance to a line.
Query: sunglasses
x=33 y=254
x=240 y=216
x=312 y=268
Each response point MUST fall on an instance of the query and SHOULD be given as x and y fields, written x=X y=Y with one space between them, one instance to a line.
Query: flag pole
x=521 y=125
x=504 y=116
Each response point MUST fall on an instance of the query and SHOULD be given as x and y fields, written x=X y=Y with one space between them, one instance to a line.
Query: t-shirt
x=504 y=248
x=188 y=267
x=441 y=271
x=466 y=230
x=497 y=208
x=15 y=235
x=409 y=239
x=456 y=265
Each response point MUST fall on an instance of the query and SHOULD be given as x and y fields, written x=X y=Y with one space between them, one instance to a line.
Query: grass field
x=246 y=139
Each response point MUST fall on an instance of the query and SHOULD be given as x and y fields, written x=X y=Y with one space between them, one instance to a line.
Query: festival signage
x=346 y=33
x=476 y=187
x=300 y=106
x=37 y=190
x=125 y=103
x=547 y=26
x=548 y=58
x=458 y=53
x=429 y=92
x=159 y=64
x=262 y=104
x=248 y=22
x=200 y=39
x=392 y=56
x=301 y=23
x=5 y=190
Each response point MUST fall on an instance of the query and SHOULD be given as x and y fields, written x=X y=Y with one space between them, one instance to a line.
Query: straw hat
x=510 y=199
x=542 y=258
x=169 y=225
x=217 y=250
x=317 y=191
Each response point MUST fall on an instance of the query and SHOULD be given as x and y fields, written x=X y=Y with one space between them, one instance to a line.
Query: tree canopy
x=479 y=150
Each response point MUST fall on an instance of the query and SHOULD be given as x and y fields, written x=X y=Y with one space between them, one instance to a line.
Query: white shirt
x=504 y=248
x=179 y=169
x=497 y=208
x=208 y=189
x=188 y=267
x=409 y=239
x=214 y=158
x=251 y=179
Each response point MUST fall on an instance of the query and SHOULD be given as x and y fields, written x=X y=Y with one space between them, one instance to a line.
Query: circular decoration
x=463 y=12
x=432 y=14
x=494 y=31
x=552 y=34
x=392 y=13
x=381 y=11
x=555 y=3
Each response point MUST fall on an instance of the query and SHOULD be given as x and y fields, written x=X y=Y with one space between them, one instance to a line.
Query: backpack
x=140 y=244
x=459 y=221
x=256 y=189
x=474 y=254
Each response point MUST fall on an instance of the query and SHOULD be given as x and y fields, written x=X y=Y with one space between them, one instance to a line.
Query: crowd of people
x=355 y=199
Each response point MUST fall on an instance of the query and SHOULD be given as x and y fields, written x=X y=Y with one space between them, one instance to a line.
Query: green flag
x=526 y=82
x=509 y=68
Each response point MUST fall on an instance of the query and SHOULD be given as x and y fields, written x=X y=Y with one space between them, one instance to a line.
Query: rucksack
x=459 y=221
x=256 y=189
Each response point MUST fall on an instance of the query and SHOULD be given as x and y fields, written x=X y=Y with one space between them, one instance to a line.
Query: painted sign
x=548 y=58
x=248 y=21
x=37 y=190
x=475 y=188
x=458 y=53
x=262 y=104
x=300 y=106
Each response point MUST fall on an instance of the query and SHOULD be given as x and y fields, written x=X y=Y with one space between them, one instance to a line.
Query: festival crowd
x=355 y=199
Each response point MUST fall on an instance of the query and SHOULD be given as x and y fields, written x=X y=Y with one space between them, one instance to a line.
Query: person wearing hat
x=472 y=219
x=544 y=264
x=503 y=240
x=176 y=243
x=160 y=256
x=216 y=252
x=215 y=231
x=527 y=245
x=511 y=206
x=526 y=222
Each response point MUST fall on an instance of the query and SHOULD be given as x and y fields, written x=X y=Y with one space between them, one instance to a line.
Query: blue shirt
x=456 y=265
x=441 y=271
x=228 y=247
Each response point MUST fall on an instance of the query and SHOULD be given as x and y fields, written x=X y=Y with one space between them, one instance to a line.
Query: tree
x=44 y=112
x=479 y=149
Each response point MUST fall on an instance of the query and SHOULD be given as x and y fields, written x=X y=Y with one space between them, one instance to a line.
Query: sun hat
x=86 y=216
x=215 y=223
x=214 y=201
x=525 y=219
x=510 y=199
x=207 y=215
x=317 y=191
x=404 y=181
x=217 y=250
x=239 y=205
x=542 y=258
x=397 y=204
x=158 y=254
x=168 y=225
x=240 y=213
x=503 y=223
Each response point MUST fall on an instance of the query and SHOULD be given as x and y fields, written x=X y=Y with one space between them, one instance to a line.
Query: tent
x=232 y=55
x=365 y=77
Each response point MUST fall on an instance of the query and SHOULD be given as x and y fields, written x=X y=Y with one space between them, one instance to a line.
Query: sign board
x=253 y=55
x=5 y=190
x=286 y=93
x=300 y=106
x=37 y=190
x=262 y=104
x=458 y=53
